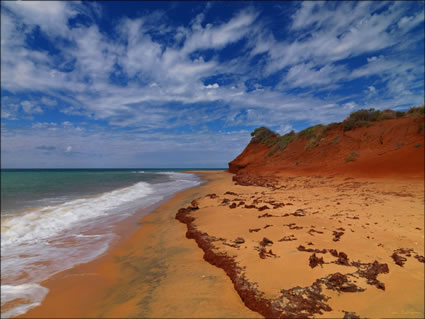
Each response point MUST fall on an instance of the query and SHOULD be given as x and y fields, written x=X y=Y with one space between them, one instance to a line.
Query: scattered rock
x=333 y=252
x=311 y=231
x=337 y=235
x=239 y=240
x=263 y=253
x=241 y=203
x=293 y=226
x=288 y=238
x=251 y=230
x=225 y=201
x=342 y=259
x=234 y=245
x=314 y=261
x=265 y=215
x=263 y=208
x=230 y=193
x=266 y=242
x=340 y=282
x=233 y=205
x=420 y=258
x=299 y=212
x=267 y=226
x=250 y=206
x=351 y=315
x=371 y=271
x=399 y=260
x=354 y=217
x=311 y=250
x=211 y=195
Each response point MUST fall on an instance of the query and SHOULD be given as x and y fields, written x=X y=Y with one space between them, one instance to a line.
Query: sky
x=182 y=84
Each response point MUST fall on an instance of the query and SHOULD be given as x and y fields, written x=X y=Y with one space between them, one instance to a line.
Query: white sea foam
x=39 y=243
x=51 y=220
x=32 y=292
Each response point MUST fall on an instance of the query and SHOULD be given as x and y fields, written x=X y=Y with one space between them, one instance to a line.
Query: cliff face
x=390 y=147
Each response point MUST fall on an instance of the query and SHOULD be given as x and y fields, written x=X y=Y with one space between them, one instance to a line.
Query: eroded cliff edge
x=368 y=143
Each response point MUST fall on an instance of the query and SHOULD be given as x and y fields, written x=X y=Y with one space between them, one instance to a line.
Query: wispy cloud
x=152 y=73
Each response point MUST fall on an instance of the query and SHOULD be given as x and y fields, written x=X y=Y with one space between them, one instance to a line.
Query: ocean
x=52 y=220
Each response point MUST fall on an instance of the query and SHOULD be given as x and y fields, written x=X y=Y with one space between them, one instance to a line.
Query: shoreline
x=343 y=265
x=99 y=287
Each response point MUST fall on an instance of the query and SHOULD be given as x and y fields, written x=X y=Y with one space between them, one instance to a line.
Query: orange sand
x=159 y=273
x=155 y=273
x=390 y=216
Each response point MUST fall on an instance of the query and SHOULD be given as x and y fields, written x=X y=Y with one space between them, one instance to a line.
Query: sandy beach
x=157 y=272
x=322 y=246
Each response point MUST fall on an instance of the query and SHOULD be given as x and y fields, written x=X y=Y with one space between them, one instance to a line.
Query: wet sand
x=158 y=272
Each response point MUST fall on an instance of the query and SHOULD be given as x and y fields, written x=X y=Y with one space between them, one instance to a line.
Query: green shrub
x=363 y=117
x=313 y=135
x=352 y=157
x=420 y=128
x=282 y=142
x=387 y=115
x=333 y=125
x=352 y=124
x=262 y=135
x=418 y=145
x=416 y=110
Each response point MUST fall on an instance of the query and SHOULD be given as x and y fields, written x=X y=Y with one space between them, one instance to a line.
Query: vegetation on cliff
x=313 y=134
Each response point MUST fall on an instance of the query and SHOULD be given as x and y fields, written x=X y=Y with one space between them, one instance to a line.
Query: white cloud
x=305 y=75
x=68 y=149
x=160 y=73
x=216 y=37
x=50 y=16
x=212 y=86
x=31 y=108
x=409 y=22
x=48 y=102
x=336 y=31
x=372 y=89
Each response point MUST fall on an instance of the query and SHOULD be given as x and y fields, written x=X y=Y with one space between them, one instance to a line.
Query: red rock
x=314 y=261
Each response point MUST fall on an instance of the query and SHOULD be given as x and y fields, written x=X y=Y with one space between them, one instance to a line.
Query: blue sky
x=182 y=84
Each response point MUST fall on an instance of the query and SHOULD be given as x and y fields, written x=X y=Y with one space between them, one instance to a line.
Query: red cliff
x=368 y=143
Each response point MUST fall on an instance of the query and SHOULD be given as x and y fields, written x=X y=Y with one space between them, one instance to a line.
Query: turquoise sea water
x=54 y=219
x=31 y=188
